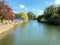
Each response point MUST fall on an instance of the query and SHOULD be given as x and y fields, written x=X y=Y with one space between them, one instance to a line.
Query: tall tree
x=23 y=16
x=58 y=9
x=31 y=15
x=49 y=11
x=6 y=11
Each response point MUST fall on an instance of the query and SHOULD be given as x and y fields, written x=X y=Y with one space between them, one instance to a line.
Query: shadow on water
x=23 y=26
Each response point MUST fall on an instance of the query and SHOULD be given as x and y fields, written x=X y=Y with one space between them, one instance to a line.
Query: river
x=32 y=33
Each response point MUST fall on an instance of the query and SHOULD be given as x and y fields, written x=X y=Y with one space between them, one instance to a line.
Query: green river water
x=32 y=33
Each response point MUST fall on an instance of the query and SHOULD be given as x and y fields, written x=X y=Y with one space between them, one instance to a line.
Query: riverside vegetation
x=51 y=15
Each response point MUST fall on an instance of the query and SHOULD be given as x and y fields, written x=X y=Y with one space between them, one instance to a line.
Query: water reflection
x=23 y=26
x=51 y=35
x=2 y=35
x=33 y=33
x=7 y=40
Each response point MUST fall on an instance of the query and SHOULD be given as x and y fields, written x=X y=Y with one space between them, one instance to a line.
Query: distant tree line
x=22 y=15
x=26 y=16
x=31 y=16
x=51 y=15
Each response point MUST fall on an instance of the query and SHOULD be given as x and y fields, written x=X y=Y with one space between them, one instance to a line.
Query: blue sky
x=35 y=6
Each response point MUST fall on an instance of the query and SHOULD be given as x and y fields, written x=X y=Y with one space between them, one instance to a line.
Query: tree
x=6 y=11
x=18 y=15
x=54 y=19
x=31 y=15
x=41 y=18
x=51 y=15
x=49 y=11
x=58 y=10
x=23 y=16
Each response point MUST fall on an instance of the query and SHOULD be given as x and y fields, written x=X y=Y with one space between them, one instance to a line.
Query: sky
x=35 y=6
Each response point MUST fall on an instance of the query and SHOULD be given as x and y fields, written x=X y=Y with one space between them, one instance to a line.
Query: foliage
x=54 y=19
x=31 y=16
x=52 y=15
x=23 y=16
x=49 y=11
x=6 y=11
x=17 y=15
x=39 y=17
x=58 y=10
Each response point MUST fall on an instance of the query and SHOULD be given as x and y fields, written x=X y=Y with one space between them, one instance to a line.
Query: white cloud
x=40 y=12
x=57 y=2
x=22 y=6
x=37 y=11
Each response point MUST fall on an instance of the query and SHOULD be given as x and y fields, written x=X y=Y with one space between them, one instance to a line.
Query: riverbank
x=8 y=26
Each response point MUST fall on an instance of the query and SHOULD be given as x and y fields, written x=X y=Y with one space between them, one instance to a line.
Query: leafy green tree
x=58 y=9
x=23 y=16
x=18 y=15
x=52 y=15
x=31 y=16
x=54 y=19
x=39 y=17
x=49 y=11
